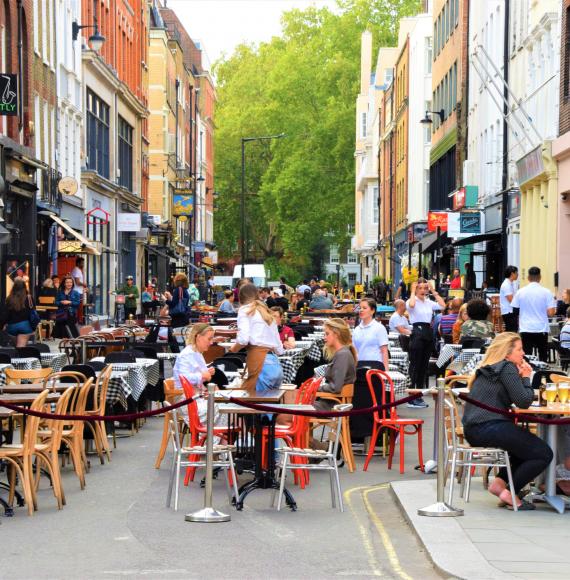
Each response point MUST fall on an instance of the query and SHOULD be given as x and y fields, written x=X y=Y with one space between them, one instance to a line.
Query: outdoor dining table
x=264 y=475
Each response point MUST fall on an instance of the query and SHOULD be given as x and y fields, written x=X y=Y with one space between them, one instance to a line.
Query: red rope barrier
x=513 y=415
x=328 y=414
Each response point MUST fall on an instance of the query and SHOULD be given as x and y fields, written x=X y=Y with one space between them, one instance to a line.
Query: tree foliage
x=299 y=189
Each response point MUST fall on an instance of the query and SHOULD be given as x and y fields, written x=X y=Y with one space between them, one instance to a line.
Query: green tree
x=304 y=84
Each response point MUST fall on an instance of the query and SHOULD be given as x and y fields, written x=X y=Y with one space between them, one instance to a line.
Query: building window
x=375 y=205
x=351 y=278
x=125 y=154
x=363 y=125
x=351 y=258
x=98 y=144
x=334 y=257
x=429 y=55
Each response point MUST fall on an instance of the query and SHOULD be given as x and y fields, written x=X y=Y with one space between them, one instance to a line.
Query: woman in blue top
x=178 y=301
x=67 y=302
x=370 y=337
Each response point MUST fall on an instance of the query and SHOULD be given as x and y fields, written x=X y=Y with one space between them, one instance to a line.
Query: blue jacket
x=75 y=298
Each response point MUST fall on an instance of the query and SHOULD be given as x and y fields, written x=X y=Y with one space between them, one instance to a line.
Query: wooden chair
x=559 y=379
x=98 y=427
x=343 y=398
x=170 y=394
x=70 y=377
x=16 y=376
x=19 y=457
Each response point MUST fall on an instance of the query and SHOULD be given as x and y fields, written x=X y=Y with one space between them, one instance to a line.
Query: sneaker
x=417 y=404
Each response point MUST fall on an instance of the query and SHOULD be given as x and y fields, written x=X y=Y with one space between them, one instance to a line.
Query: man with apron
x=421 y=309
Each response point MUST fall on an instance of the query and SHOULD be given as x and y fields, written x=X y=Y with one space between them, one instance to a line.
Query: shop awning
x=87 y=246
x=429 y=242
x=476 y=239
x=158 y=252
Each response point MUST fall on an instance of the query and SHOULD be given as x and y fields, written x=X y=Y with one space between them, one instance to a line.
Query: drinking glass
x=550 y=394
x=563 y=392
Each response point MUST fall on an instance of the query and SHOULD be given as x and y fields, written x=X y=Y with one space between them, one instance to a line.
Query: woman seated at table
x=503 y=379
x=257 y=331
x=370 y=337
x=478 y=325
x=462 y=318
x=342 y=354
x=67 y=302
x=227 y=304
x=190 y=364
x=285 y=332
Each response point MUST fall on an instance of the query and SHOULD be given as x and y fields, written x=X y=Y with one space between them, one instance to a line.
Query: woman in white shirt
x=190 y=364
x=257 y=331
x=421 y=309
x=370 y=337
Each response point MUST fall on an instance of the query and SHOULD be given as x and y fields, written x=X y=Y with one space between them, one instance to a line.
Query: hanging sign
x=128 y=222
x=8 y=95
x=437 y=219
x=182 y=204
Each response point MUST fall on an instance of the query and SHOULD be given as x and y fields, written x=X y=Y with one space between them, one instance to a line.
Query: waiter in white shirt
x=421 y=309
x=398 y=322
x=506 y=295
x=535 y=304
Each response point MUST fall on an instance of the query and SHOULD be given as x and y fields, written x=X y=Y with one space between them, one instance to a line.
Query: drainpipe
x=505 y=180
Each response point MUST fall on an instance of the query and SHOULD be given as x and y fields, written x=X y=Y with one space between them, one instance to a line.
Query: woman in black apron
x=421 y=309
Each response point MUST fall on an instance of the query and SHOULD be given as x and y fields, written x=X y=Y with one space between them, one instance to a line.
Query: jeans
x=529 y=455
x=271 y=375
x=538 y=340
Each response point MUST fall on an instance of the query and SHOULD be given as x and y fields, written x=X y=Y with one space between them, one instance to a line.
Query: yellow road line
x=384 y=537
x=372 y=560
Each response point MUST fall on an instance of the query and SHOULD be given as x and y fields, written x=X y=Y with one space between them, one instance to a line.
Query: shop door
x=487 y=266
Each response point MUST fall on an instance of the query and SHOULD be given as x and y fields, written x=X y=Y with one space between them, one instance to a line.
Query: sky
x=220 y=25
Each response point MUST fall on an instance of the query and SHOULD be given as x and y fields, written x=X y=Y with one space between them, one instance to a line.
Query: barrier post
x=208 y=513
x=440 y=508
x=84 y=351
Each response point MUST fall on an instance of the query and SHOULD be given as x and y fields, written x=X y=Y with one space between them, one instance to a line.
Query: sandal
x=524 y=506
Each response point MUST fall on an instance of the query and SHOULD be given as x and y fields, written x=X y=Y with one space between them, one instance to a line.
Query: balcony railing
x=49 y=192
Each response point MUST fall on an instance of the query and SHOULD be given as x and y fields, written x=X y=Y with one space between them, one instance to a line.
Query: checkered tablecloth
x=290 y=363
x=119 y=388
x=315 y=353
x=462 y=359
x=400 y=360
x=26 y=364
x=145 y=371
x=54 y=360
x=3 y=367
x=448 y=352
x=471 y=366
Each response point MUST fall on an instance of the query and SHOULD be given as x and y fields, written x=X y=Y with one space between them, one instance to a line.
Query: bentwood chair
x=223 y=458
x=97 y=428
x=170 y=394
x=35 y=375
x=299 y=458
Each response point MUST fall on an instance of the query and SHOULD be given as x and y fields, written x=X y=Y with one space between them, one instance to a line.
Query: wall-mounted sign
x=128 y=222
x=8 y=95
x=182 y=204
x=514 y=203
x=68 y=185
x=531 y=165
x=470 y=223
x=459 y=198
x=437 y=219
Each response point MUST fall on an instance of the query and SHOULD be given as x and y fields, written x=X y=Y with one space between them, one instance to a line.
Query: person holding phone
x=420 y=309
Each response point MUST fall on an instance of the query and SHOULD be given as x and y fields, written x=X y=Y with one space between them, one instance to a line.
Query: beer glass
x=563 y=392
x=550 y=393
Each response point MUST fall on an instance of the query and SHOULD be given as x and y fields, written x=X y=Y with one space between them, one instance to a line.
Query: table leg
x=550 y=497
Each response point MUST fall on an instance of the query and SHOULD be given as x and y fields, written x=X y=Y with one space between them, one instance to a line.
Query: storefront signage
x=128 y=222
x=459 y=198
x=470 y=223
x=182 y=204
x=514 y=203
x=8 y=95
x=530 y=166
x=437 y=219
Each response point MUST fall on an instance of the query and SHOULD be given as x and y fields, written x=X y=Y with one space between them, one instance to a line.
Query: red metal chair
x=390 y=420
x=198 y=431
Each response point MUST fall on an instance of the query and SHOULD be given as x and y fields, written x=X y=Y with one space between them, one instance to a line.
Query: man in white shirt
x=506 y=295
x=398 y=322
x=78 y=277
x=535 y=304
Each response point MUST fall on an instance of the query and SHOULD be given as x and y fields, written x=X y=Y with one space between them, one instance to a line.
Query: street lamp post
x=245 y=140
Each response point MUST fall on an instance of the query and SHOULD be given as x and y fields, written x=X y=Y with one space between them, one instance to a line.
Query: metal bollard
x=440 y=508
x=209 y=514
x=84 y=352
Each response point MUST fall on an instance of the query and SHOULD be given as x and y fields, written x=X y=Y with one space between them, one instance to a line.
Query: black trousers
x=529 y=455
x=421 y=346
x=511 y=322
x=538 y=340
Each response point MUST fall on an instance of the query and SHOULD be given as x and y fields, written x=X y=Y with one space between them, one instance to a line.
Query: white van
x=255 y=272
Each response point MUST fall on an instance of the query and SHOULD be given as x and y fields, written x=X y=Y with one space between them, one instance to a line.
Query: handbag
x=62 y=315
x=33 y=317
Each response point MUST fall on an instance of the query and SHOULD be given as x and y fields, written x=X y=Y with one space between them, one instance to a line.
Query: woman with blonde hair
x=503 y=380
x=257 y=331
x=178 y=301
x=190 y=364
x=462 y=317
x=342 y=354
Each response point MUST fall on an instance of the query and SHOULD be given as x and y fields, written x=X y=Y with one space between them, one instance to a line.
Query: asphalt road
x=119 y=526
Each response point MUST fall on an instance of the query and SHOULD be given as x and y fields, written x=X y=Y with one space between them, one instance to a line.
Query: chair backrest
x=447 y=338
x=229 y=365
x=171 y=390
x=136 y=353
x=558 y=378
x=78 y=405
x=237 y=360
x=10 y=351
x=174 y=432
x=64 y=377
x=27 y=351
x=193 y=418
x=101 y=388
x=450 y=420
x=86 y=369
x=32 y=423
x=472 y=342
x=46 y=300
x=146 y=351
x=56 y=427
x=120 y=357
x=96 y=365
x=17 y=376
x=5 y=359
